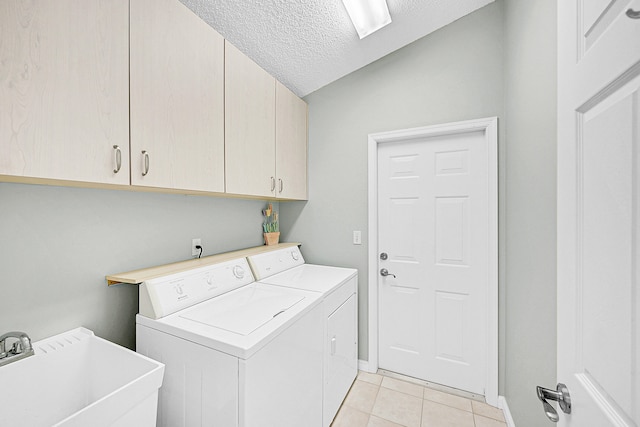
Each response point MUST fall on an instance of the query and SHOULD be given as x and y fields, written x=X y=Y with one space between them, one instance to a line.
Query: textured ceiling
x=307 y=44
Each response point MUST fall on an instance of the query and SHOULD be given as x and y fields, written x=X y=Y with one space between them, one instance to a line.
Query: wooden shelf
x=138 y=276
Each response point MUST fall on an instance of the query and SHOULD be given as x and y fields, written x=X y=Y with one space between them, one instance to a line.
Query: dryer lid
x=312 y=277
x=244 y=310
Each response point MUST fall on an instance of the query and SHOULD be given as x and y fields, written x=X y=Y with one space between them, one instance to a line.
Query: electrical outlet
x=357 y=237
x=195 y=242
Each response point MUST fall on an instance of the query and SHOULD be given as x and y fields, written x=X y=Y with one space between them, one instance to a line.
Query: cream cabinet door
x=64 y=89
x=177 y=98
x=249 y=126
x=291 y=145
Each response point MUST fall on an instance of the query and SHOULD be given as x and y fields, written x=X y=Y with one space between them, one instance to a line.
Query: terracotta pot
x=271 y=238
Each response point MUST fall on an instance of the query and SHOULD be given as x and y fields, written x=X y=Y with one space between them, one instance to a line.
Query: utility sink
x=78 y=379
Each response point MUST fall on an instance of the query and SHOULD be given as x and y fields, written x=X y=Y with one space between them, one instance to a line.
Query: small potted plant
x=270 y=226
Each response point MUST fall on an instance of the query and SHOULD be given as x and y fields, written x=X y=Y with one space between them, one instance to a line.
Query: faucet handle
x=25 y=343
x=16 y=348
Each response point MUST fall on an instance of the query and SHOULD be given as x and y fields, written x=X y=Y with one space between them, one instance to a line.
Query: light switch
x=357 y=237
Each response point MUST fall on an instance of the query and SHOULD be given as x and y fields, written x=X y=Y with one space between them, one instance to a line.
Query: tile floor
x=379 y=401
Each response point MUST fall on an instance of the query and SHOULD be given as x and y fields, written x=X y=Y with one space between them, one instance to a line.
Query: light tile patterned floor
x=378 y=401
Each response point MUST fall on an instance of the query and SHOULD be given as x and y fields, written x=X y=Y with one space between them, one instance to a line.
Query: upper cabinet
x=291 y=145
x=143 y=93
x=265 y=132
x=250 y=96
x=64 y=90
x=177 y=98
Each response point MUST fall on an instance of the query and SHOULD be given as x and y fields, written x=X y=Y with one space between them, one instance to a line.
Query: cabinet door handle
x=117 y=153
x=273 y=184
x=145 y=162
x=333 y=345
x=281 y=184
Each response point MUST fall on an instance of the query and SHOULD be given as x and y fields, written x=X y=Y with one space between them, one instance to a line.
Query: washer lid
x=245 y=310
x=193 y=323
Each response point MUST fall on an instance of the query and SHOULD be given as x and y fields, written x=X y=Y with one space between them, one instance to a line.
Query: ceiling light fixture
x=367 y=16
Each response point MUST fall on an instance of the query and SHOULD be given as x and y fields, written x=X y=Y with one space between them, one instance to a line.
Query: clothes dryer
x=338 y=287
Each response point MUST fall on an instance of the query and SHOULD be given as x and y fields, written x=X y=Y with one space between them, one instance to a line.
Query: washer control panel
x=165 y=295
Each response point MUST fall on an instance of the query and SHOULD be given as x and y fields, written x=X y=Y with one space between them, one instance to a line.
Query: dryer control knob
x=238 y=271
x=294 y=255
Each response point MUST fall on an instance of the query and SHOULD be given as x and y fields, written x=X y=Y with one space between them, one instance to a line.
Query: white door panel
x=607 y=42
x=598 y=215
x=599 y=361
x=607 y=234
x=433 y=196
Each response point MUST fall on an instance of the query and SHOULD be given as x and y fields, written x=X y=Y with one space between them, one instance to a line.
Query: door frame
x=489 y=126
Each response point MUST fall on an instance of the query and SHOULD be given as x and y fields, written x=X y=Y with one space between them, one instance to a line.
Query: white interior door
x=598 y=216
x=436 y=226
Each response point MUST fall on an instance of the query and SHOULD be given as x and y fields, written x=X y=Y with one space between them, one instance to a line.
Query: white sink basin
x=78 y=379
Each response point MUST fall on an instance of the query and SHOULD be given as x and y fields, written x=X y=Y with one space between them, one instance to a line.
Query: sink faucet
x=20 y=349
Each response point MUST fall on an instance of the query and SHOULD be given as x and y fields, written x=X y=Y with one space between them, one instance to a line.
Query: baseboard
x=363 y=365
x=502 y=404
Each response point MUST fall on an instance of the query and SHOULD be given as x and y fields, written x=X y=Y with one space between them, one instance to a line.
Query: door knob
x=384 y=273
x=560 y=395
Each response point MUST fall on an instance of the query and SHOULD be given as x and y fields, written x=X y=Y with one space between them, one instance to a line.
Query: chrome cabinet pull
x=117 y=154
x=281 y=184
x=273 y=184
x=145 y=162
x=633 y=14
x=560 y=395
x=333 y=345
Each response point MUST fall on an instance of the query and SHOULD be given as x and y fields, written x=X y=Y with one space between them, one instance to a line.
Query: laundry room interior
x=60 y=238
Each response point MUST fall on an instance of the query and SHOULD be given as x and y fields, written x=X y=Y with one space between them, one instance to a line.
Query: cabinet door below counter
x=64 y=90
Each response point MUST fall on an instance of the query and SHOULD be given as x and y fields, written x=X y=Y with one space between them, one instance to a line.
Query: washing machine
x=338 y=288
x=236 y=352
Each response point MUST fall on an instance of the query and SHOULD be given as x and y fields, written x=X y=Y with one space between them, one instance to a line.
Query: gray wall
x=58 y=244
x=498 y=61
x=530 y=82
